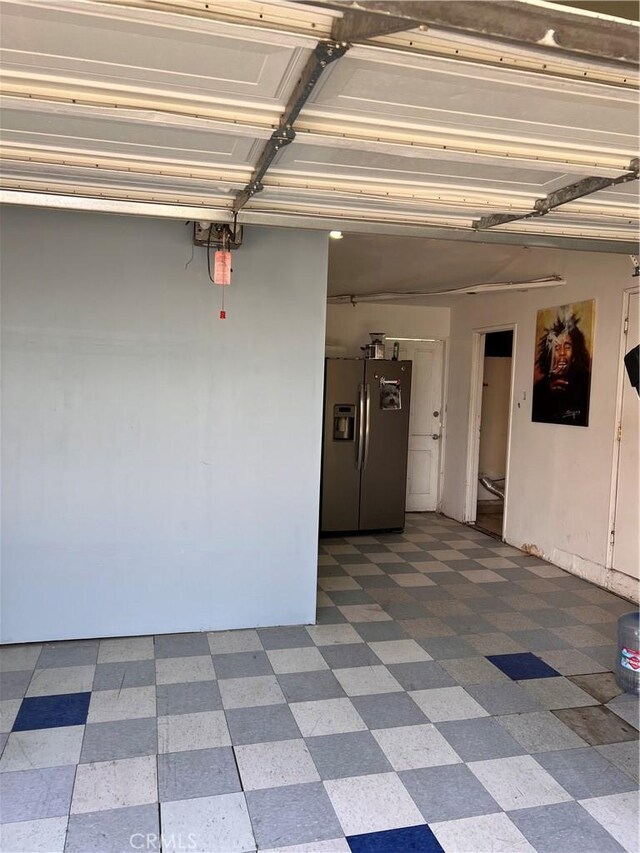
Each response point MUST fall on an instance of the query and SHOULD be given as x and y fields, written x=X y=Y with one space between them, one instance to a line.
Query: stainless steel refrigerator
x=365 y=441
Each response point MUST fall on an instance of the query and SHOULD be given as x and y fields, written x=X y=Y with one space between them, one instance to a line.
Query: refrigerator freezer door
x=384 y=473
x=342 y=448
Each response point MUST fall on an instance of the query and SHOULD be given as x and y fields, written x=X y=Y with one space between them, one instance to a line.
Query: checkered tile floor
x=456 y=694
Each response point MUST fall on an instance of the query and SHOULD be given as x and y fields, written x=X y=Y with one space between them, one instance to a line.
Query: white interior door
x=425 y=424
x=626 y=543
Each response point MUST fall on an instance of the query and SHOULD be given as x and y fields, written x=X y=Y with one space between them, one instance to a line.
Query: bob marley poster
x=562 y=371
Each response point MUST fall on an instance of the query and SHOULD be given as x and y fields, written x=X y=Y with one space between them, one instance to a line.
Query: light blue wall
x=160 y=466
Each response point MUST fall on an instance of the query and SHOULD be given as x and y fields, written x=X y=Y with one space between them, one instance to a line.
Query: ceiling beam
x=320 y=223
x=564 y=195
x=540 y=27
x=353 y=26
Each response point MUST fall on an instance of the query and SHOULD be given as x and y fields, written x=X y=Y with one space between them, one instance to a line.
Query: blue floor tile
x=419 y=839
x=523 y=665
x=50 y=712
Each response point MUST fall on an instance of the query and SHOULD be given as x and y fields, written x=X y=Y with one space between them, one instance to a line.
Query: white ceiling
x=108 y=104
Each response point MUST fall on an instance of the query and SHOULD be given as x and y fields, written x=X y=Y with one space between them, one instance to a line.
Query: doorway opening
x=490 y=425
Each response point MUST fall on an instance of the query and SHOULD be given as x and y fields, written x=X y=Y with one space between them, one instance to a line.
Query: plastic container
x=628 y=661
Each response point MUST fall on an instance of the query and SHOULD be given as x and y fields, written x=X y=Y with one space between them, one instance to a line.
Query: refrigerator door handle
x=367 y=418
x=361 y=416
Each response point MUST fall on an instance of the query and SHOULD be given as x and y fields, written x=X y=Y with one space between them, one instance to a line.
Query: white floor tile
x=209 y=824
x=327 y=717
x=484 y=576
x=618 y=814
x=271 y=765
x=411 y=747
x=128 y=704
x=250 y=692
x=372 y=803
x=399 y=651
x=34 y=836
x=182 y=670
x=493 y=833
x=413 y=579
x=183 y=732
x=42 y=748
x=366 y=680
x=115 y=784
x=296 y=660
x=55 y=681
x=518 y=782
x=333 y=635
x=447 y=703
x=364 y=613
x=126 y=648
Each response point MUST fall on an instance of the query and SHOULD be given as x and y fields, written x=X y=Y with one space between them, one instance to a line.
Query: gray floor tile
x=571 y=662
x=188 y=698
x=423 y=675
x=597 y=725
x=308 y=686
x=627 y=708
x=554 y=617
x=540 y=731
x=294 y=814
x=504 y=698
x=347 y=655
x=625 y=756
x=448 y=792
x=197 y=773
x=119 y=739
x=430 y=626
x=13 y=685
x=244 y=664
x=388 y=710
x=403 y=612
x=181 y=645
x=76 y=653
x=349 y=596
x=585 y=773
x=473 y=670
x=473 y=624
x=444 y=648
x=262 y=724
x=36 y=794
x=329 y=616
x=479 y=739
x=604 y=655
x=552 y=693
x=112 y=831
x=563 y=828
x=348 y=754
x=376 y=631
x=538 y=640
x=114 y=676
x=373 y=582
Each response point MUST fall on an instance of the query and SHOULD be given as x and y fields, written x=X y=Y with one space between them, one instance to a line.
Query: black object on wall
x=632 y=363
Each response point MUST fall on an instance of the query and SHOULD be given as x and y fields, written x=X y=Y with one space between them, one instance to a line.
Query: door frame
x=475 y=417
x=615 y=462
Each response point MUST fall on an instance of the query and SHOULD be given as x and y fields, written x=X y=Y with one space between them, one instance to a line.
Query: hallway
x=456 y=694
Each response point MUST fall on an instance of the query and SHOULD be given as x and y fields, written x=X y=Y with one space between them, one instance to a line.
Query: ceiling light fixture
x=336 y=235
